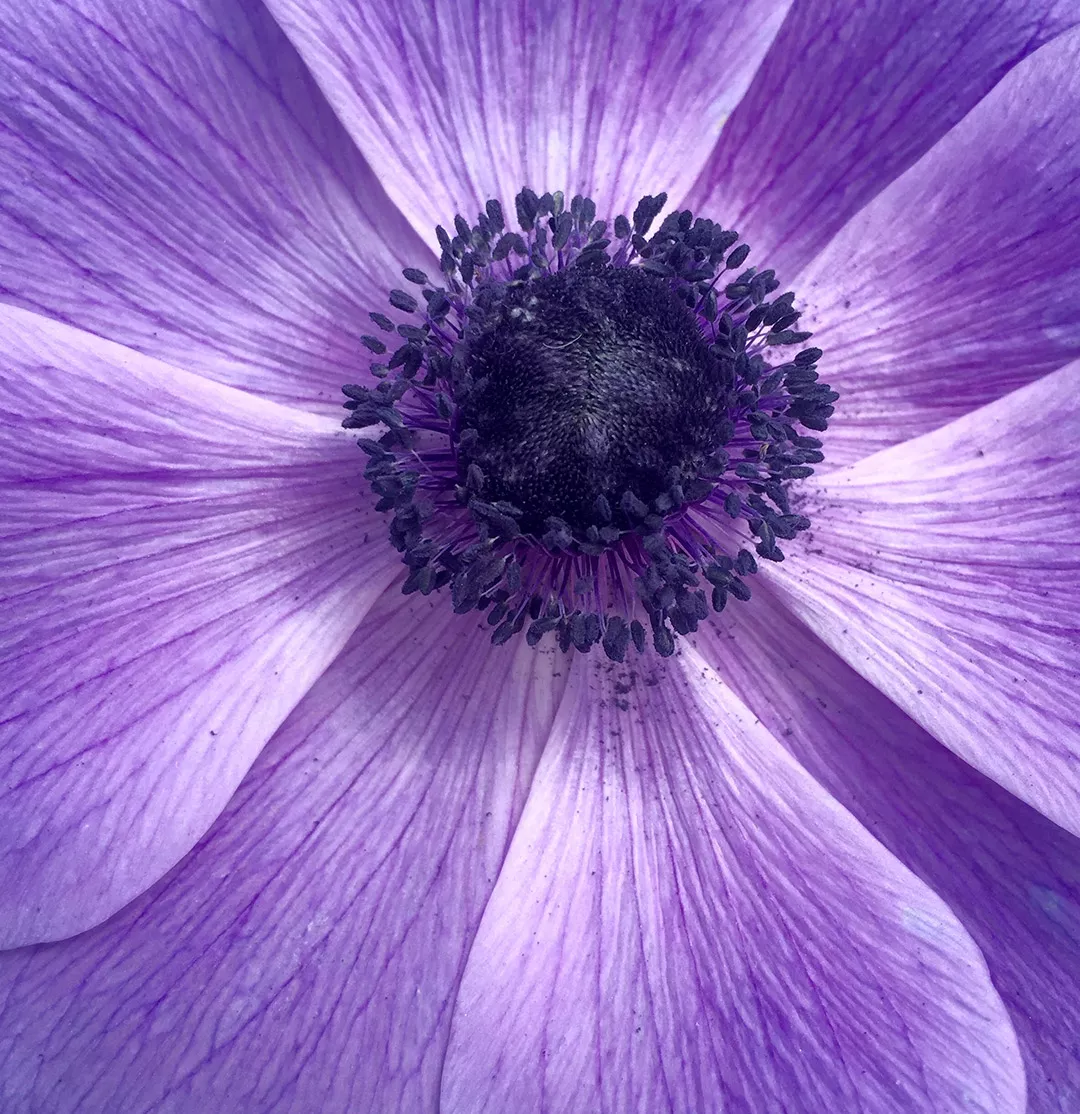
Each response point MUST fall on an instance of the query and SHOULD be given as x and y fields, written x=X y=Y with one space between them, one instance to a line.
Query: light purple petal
x=947 y=572
x=305 y=956
x=961 y=281
x=454 y=103
x=179 y=562
x=687 y=922
x=1009 y=874
x=171 y=178
x=851 y=94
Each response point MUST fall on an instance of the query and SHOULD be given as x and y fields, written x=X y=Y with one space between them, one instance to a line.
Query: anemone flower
x=279 y=836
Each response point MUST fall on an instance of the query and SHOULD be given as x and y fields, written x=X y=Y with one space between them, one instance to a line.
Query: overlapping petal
x=454 y=103
x=1009 y=874
x=306 y=955
x=180 y=561
x=171 y=178
x=946 y=571
x=687 y=922
x=850 y=95
x=961 y=281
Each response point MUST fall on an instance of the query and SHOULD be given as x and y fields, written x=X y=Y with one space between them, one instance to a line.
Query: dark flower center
x=581 y=430
x=588 y=384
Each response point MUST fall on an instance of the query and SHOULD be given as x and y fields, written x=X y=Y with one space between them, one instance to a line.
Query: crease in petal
x=172 y=179
x=851 y=94
x=946 y=571
x=180 y=562
x=455 y=103
x=1010 y=875
x=961 y=280
x=305 y=956
x=686 y=921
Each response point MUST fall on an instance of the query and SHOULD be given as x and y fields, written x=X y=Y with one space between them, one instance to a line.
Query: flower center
x=575 y=424
x=588 y=384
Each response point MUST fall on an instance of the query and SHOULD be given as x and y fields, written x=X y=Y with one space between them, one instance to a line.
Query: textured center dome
x=588 y=383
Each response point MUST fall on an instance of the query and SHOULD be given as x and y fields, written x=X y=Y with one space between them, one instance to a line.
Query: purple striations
x=276 y=838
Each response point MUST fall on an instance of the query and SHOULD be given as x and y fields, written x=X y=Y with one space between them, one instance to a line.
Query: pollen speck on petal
x=946 y=570
x=1011 y=875
x=687 y=922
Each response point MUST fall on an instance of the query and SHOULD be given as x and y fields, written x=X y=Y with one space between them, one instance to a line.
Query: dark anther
x=402 y=301
x=646 y=212
x=494 y=215
x=527 y=204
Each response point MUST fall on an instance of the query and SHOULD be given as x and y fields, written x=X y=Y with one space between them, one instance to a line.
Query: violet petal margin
x=172 y=179
x=1009 y=874
x=453 y=103
x=305 y=957
x=179 y=562
x=851 y=94
x=961 y=281
x=687 y=922
x=947 y=572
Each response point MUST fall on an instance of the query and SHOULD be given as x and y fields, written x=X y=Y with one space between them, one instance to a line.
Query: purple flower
x=279 y=838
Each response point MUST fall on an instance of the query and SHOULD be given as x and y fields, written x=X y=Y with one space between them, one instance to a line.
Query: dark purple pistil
x=588 y=383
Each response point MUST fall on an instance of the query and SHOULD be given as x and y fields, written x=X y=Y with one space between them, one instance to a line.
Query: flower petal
x=947 y=572
x=180 y=562
x=455 y=103
x=1009 y=874
x=173 y=179
x=961 y=281
x=851 y=94
x=686 y=922
x=306 y=955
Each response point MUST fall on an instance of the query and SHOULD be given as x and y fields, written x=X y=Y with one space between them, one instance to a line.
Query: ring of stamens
x=550 y=495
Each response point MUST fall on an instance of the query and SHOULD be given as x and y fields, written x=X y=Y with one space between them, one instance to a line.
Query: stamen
x=573 y=424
